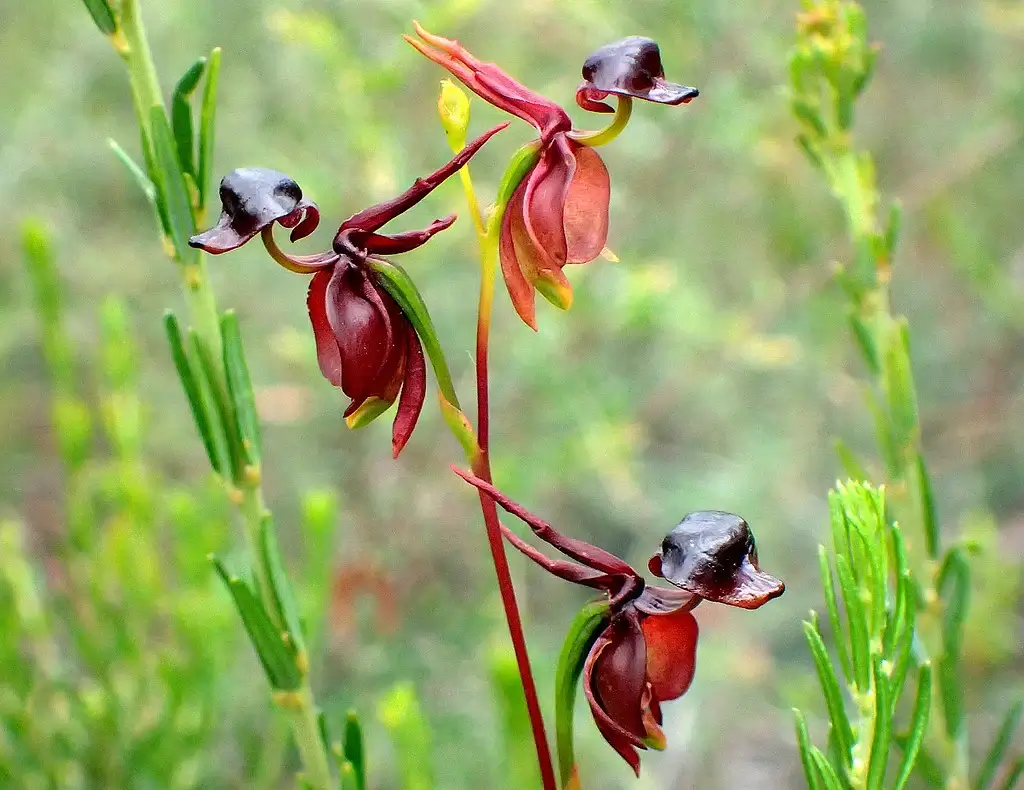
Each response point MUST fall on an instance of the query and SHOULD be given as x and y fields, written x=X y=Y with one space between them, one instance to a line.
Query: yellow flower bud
x=453 y=108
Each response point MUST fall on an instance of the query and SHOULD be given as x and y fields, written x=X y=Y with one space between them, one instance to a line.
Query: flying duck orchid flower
x=558 y=213
x=367 y=318
x=644 y=650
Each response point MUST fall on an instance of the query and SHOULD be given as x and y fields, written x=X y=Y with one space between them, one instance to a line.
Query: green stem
x=305 y=721
x=623 y=109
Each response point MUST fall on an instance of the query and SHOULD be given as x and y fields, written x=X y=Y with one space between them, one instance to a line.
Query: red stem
x=482 y=469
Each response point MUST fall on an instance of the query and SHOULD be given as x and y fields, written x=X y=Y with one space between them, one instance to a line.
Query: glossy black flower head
x=628 y=67
x=366 y=344
x=712 y=554
x=254 y=198
x=645 y=652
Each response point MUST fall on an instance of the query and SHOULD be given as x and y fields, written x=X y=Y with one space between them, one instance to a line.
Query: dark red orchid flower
x=559 y=212
x=365 y=344
x=646 y=653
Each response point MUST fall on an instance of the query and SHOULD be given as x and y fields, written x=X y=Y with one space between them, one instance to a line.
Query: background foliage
x=710 y=368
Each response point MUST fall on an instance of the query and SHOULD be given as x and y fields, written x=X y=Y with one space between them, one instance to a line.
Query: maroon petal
x=327 y=353
x=630 y=67
x=585 y=213
x=619 y=738
x=361 y=329
x=384 y=244
x=253 y=198
x=414 y=390
x=671 y=641
x=620 y=674
x=547 y=188
x=492 y=84
x=712 y=554
x=513 y=238
x=372 y=218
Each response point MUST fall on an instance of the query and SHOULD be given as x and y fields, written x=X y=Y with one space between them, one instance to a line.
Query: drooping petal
x=520 y=290
x=671 y=653
x=361 y=329
x=492 y=84
x=374 y=217
x=253 y=198
x=414 y=390
x=620 y=672
x=618 y=737
x=327 y=353
x=712 y=554
x=385 y=244
x=547 y=188
x=630 y=67
x=586 y=206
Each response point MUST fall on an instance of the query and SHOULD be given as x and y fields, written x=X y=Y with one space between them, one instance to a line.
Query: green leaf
x=396 y=281
x=181 y=115
x=207 y=123
x=519 y=764
x=997 y=752
x=103 y=15
x=287 y=612
x=136 y=172
x=213 y=439
x=240 y=388
x=900 y=391
x=278 y=661
x=883 y=727
x=399 y=711
x=583 y=632
x=1013 y=775
x=803 y=740
x=893 y=228
x=849 y=461
x=866 y=343
x=832 y=606
x=830 y=689
x=171 y=186
x=349 y=777
x=856 y=618
x=222 y=412
x=829 y=777
x=954 y=586
x=911 y=744
x=353 y=750
x=929 y=516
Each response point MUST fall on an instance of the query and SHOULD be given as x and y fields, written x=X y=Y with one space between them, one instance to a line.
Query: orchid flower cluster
x=371 y=329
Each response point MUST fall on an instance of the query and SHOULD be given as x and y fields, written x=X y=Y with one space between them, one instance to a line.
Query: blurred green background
x=709 y=368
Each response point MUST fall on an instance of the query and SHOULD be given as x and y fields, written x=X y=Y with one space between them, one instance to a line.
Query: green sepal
x=830 y=688
x=103 y=15
x=370 y=409
x=207 y=121
x=213 y=440
x=274 y=653
x=170 y=185
x=521 y=163
x=240 y=390
x=397 y=282
x=1000 y=744
x=460 y=426
x=286 y=613
x=354 y=750
x=911 y=743
x=583 y=632
x=181 y=115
